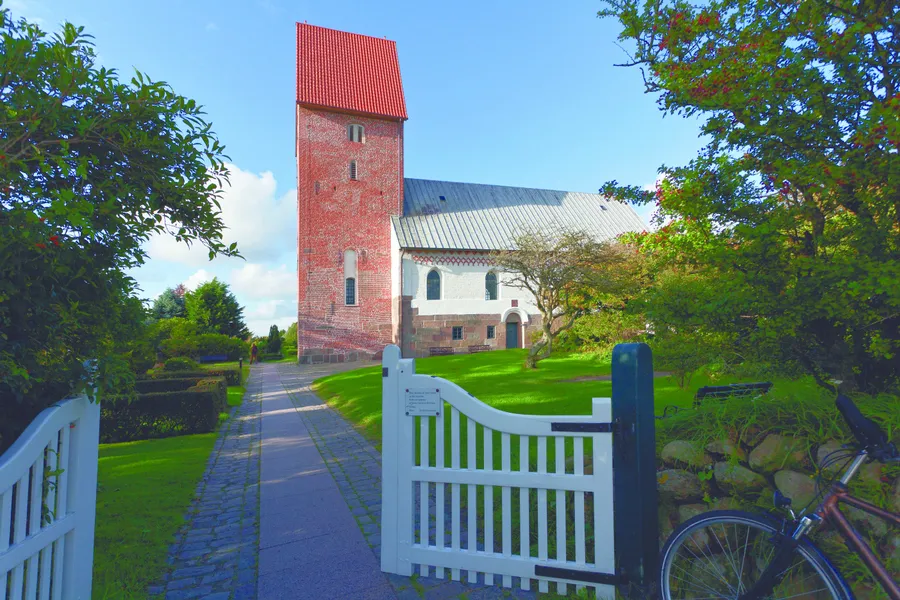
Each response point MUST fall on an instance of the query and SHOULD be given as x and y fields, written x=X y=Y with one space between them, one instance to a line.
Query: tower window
x=318 y=186
x=356 y=133
x=491 y=332
x=433 y=286
x=353 y=172
x=457 y=333
x=350 y=291
x=490 y=286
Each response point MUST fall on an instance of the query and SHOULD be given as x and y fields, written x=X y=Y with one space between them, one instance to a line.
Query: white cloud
x=263 y=225
x=198 y=278
x=263 y=315
x=258 y=281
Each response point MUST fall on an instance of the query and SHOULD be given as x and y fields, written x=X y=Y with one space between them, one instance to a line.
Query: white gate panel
x=468 y=494
x=48 y=494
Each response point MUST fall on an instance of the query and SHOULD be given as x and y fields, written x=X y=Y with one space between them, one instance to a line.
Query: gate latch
x=586 y=427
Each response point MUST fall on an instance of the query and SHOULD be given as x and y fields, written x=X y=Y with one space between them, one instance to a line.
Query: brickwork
x=337 y=214
x=421 y=332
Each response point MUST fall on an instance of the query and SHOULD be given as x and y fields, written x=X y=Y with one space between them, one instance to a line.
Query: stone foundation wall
x=420 y=333
x=723 y=475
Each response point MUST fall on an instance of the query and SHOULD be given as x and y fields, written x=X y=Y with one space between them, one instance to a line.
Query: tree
x=273 y=342
x=168 y=305
x=564 y=272
x=792 y=207
x=90 y=168
x=215 y=310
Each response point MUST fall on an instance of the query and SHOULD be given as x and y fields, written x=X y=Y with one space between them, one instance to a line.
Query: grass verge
x=144 y=490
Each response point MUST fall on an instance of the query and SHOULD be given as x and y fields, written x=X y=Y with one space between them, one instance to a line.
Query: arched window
x=356 y=133
x=350 y=291
x=490 y=286
x=433 y=288
x=350 y=277
x=353 y=171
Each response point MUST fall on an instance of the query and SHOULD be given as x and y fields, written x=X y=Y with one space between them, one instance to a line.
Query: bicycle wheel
x=721 y=554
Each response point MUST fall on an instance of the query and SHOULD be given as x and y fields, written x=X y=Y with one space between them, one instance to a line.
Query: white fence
x=48 y=494
x=534 y=511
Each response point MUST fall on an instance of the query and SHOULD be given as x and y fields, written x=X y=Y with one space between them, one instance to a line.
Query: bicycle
x=776 y=559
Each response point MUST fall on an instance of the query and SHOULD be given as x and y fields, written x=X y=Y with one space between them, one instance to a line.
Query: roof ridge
x=365 y=35
x=514 y=187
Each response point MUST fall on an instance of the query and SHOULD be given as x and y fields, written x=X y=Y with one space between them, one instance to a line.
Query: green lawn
x=499 y=379
x=144 y=490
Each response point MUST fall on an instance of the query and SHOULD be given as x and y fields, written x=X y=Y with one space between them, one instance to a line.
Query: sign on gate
x=476 y=493
x=423 y=402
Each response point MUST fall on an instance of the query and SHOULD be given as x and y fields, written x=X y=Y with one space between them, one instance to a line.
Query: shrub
x=231 y=376
x=289 y=350
x=206 y=344
x=270 y=356
x=161 y=414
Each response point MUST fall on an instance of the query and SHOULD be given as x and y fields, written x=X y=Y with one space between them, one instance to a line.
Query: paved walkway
x=215 y=553
x=310 y=545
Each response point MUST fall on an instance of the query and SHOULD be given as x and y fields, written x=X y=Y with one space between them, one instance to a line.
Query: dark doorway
x=512 y=335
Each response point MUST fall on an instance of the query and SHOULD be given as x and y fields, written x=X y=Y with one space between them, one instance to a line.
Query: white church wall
x=462 y=290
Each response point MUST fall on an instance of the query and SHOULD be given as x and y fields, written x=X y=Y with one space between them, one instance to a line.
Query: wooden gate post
x=390 y=416
x=634 y=467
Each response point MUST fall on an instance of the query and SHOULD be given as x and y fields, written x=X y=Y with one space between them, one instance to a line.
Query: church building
x=382 y=258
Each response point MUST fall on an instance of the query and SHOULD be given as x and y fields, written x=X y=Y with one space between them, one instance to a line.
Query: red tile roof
x=348 y=71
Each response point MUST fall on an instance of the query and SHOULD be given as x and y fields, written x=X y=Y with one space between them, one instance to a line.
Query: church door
x=512 y=335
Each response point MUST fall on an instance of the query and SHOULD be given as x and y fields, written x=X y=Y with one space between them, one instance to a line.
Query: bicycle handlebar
x=867 y=432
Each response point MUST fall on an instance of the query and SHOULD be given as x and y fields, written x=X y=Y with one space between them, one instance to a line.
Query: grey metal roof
x=474 y=216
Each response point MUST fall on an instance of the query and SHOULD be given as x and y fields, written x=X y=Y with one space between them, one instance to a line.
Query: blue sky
x=513 y=93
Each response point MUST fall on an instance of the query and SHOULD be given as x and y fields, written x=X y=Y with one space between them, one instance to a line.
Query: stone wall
x=723 y=475
x=420 y=333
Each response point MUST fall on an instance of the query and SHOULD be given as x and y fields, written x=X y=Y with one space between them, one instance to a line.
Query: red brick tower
x=350 y=114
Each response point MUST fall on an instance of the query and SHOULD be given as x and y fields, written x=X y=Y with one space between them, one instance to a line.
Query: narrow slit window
x=457 y=333
x=356 y=133
x=491 y=332
x=490 y=286
x=433 y=286
x=353 y=170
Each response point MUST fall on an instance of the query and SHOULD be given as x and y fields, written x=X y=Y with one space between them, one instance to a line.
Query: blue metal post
x=634 y=467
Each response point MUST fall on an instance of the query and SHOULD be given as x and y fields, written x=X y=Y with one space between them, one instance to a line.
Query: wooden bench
x=732 y=389
x=480 y=348
x=440 y=351
x=213 y=358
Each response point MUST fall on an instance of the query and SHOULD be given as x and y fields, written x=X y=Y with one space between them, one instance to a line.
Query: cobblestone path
x=356 y=467
x=214 y=556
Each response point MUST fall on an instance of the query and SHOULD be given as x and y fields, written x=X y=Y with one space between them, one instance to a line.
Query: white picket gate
x=455 y=490
x=48 y=495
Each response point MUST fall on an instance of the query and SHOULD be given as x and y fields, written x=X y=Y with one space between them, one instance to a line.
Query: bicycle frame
x=830 y=512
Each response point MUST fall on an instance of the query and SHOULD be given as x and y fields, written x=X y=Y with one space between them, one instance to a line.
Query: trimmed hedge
x=163 y=414
x=165 y=384
x=232 y=376
x=270 y=356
